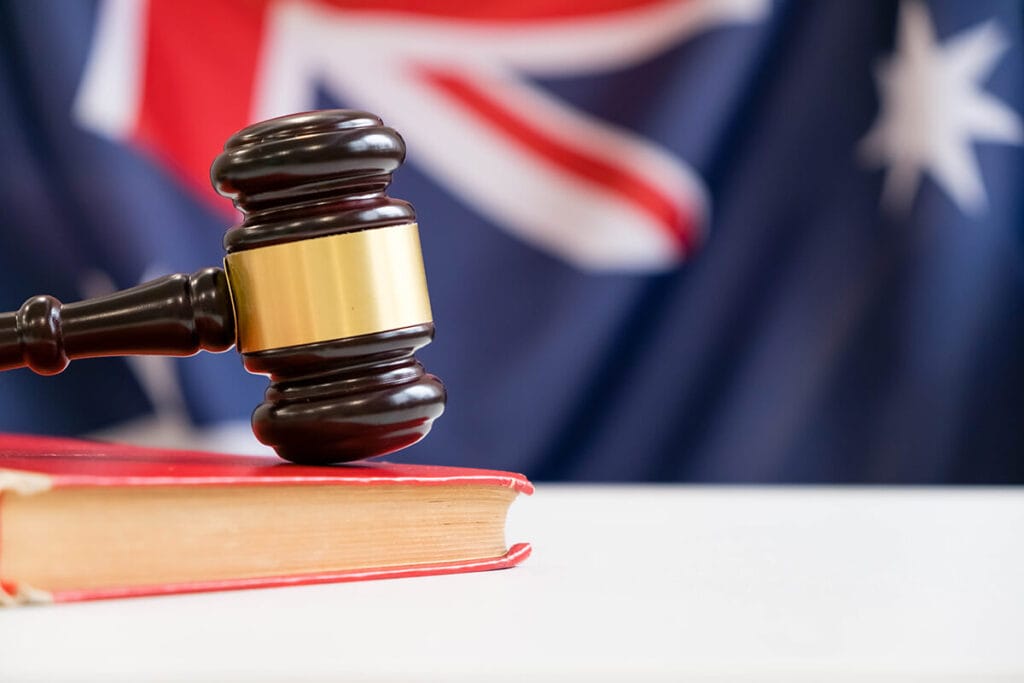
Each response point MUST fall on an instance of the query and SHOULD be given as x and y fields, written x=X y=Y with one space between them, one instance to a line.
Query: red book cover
x=32 y=465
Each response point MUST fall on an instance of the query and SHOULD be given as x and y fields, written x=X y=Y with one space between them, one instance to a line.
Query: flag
x=695 y=240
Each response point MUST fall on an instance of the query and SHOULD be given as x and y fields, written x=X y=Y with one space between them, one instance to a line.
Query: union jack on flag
x=711 y=240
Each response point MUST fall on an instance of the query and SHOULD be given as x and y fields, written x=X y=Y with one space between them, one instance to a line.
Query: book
x=83 y=520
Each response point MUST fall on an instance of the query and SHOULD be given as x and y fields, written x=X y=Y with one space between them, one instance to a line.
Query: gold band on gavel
x=328 y=288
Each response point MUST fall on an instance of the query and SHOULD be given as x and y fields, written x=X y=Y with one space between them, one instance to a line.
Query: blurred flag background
x=705 y=240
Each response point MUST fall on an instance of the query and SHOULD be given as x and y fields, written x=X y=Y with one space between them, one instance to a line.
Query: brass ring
x=328 y=288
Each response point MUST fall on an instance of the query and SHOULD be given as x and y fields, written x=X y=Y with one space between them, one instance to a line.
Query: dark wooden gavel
x=323 y=289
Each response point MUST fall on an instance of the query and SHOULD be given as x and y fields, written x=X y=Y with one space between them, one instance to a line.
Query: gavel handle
x=176 y=315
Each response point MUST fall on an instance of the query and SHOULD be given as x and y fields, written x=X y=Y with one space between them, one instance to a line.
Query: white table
x=626 y=583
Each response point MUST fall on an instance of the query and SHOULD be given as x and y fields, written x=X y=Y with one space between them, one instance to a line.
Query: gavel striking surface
x=301 y=177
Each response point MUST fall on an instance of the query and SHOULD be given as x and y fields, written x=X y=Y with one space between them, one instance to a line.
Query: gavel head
x=328 y=286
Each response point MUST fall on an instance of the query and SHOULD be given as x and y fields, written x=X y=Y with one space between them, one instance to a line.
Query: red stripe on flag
x=677 y=220
x=500 y=10
x=200 y=68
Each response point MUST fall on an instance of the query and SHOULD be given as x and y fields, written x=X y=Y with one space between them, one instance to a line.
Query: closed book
x=83 y=520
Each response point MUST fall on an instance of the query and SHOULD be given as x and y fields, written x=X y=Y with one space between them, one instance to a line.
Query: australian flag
x=700 y=240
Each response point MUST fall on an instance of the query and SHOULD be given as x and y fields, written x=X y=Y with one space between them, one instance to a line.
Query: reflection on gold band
x=328 y=288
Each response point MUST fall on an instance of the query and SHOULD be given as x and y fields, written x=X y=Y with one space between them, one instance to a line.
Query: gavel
x=323 y=289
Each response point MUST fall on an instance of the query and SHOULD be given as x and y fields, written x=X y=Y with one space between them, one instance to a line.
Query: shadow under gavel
x=323 y=289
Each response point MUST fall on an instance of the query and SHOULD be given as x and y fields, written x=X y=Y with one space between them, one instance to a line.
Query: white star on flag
x=934 y=107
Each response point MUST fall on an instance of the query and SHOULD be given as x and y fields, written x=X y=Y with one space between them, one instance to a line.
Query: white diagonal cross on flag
x=596 y=195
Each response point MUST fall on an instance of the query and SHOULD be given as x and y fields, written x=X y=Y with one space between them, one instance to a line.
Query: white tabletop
x=625 y=584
